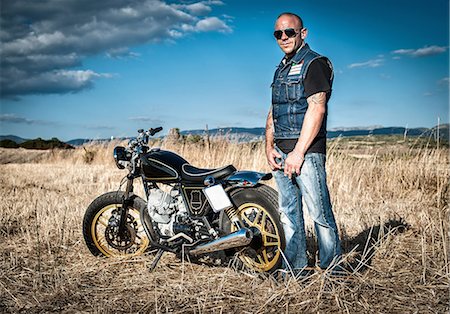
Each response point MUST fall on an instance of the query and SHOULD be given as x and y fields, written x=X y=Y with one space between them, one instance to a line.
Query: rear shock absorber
x=233 y=216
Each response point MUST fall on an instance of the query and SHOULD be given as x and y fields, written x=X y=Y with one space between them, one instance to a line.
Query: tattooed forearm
x=312 y=122
x=269 y=129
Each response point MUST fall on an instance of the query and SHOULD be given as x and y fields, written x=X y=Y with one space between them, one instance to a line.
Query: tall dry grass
x=391 y=207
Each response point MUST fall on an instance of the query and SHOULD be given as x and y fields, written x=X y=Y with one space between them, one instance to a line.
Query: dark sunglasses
x=290 y=32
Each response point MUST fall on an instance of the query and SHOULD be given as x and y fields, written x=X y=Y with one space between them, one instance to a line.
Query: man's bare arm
x=311 y=125
x=271 y=153
x=312 y=122
x=269 y=131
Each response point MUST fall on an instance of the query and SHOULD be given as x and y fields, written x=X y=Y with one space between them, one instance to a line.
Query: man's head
x=290 y=33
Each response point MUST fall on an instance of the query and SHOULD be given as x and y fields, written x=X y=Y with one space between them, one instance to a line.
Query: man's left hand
x=293 y=163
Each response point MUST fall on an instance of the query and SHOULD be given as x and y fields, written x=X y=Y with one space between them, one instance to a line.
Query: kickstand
x=156 y=260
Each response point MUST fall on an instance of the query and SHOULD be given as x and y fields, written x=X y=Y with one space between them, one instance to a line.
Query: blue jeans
x=311 y=186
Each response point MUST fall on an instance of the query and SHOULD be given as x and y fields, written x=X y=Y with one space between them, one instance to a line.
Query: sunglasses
x=290 y=32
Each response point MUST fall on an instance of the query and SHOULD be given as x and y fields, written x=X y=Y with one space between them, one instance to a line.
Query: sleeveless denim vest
x=289 y=103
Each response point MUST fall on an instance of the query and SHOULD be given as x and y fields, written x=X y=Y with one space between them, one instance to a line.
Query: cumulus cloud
x=56 y=81
x=373 y=63
x=421 y=52
x=43 y=41
x=212 y=24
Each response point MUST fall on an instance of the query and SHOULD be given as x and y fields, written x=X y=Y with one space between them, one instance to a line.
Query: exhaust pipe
x=239 y=238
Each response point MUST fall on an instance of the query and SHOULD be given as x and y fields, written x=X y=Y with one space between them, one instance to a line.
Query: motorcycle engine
x=168 y=211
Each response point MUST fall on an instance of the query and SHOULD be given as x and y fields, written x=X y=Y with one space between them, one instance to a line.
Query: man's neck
x=289 y=56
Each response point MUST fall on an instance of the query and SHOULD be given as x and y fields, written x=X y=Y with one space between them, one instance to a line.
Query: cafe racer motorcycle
x=198 y=212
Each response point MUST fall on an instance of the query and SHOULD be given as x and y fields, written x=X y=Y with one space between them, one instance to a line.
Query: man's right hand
x=271 y=154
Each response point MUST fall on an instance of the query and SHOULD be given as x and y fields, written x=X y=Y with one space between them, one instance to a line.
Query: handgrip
x=155 y=130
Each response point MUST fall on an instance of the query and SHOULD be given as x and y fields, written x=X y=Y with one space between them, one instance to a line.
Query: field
x=390 y=198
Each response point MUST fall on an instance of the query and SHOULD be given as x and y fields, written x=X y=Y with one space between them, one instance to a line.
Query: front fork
x=126 y=202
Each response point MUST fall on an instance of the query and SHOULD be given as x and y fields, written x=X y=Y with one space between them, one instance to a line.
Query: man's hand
x=271 y=154
x=293 y=164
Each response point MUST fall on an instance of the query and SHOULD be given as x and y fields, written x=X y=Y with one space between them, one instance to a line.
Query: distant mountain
x=257 y=134
x=14 y=138
x=254 y=134
x=233 y=134
x=37 y=143
x=81 y=141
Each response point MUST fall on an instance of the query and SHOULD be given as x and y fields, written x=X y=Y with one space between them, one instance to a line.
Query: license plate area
x=217 y=197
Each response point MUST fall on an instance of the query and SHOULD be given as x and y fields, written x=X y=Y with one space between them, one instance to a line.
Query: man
x=296 y=144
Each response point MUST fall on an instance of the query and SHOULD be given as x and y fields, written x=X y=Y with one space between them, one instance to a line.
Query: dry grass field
x=390 y=201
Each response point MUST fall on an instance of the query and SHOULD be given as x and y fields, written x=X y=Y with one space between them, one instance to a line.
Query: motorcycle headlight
x=121 y=157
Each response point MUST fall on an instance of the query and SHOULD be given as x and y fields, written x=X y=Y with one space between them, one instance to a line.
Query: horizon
x=165 y=132
x=71 y=70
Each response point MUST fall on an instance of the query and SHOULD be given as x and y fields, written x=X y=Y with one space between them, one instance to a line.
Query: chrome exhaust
x=239 y=238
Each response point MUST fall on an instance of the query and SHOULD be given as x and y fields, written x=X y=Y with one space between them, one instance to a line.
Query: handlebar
x=142 y=138
x=155 y=130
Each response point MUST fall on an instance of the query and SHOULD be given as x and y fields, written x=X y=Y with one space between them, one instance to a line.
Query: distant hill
x=13 y=138
x=257 y=134
x=249 y=134
x=38 y=143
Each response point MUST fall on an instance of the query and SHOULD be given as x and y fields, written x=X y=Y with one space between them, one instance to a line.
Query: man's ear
x=303 y=33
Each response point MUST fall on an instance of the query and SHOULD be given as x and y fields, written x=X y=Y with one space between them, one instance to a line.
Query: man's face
x=290 y=44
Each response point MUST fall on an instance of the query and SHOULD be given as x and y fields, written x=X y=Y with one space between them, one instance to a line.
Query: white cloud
x=57 y=81
x=39 y=40
x=374 y=63
x=212 y=24
x=421 y=52
x=198 y=8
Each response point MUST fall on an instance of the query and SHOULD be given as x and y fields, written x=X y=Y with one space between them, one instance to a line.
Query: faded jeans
x=311 y=186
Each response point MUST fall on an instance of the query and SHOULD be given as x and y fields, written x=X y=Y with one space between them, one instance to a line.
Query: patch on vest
x=296 y=68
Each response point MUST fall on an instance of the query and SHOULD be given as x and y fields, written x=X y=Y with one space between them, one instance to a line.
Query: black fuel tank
x=162 y=165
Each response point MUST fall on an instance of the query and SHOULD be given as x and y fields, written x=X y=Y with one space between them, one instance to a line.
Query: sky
x=95 y=69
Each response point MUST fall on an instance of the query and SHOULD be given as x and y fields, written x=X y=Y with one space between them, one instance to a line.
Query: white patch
x=295 y=69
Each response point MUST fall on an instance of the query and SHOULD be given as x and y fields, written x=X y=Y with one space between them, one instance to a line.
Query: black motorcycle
x=198 y=212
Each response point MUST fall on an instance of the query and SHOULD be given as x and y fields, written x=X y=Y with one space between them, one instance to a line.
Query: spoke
x=266 y=258
x=102 y=241
x=102 y=221
x=268 y=234
x=255 y=221
x=263 y=222
x=271 y=243
x=249 y=222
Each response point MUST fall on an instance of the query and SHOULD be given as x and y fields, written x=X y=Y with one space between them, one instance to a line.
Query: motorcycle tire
x=257 y=208
x=100 y=231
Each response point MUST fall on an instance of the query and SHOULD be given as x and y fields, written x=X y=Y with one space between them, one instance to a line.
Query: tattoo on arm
x=269 y=129
x=269 y=122
x=317 y=99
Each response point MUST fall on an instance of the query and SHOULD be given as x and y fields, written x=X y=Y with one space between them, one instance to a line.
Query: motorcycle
x=199 y=212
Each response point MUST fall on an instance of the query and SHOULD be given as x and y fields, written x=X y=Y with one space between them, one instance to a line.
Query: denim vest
x=289 y=103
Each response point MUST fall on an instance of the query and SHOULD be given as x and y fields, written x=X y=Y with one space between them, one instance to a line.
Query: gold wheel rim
x=98 y=228
x=254 y=215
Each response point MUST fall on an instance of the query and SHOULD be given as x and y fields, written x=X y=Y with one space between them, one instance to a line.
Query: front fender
x=247 y=178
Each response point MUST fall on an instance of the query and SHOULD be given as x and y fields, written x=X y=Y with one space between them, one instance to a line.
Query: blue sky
x=84 y=69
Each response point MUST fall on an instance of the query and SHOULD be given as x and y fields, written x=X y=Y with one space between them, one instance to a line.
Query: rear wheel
x=100 y=227
x=257 y=209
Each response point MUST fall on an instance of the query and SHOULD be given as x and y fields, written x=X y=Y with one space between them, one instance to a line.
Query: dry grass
x=391 y=207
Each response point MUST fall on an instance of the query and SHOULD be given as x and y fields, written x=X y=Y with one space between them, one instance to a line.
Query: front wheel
x=100 y=226
x=257 y=208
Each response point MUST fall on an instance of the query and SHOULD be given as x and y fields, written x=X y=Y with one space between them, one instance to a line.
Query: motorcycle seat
x=194 y=174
